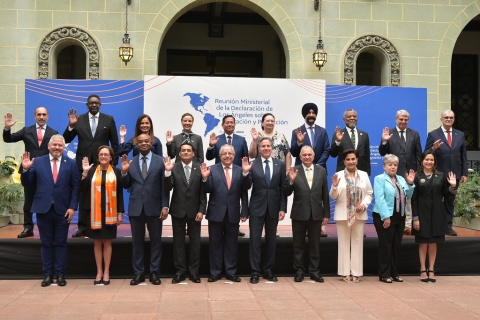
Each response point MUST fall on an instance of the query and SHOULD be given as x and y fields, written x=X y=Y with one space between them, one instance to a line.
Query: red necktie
x=449 y=138
x=227 y=175
x=55 y=170
x=40 y=135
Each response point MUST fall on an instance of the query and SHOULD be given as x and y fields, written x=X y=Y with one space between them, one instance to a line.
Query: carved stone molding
x=378 y=43
x=69 y=34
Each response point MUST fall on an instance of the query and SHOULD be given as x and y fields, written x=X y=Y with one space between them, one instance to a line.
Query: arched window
x=71 y=63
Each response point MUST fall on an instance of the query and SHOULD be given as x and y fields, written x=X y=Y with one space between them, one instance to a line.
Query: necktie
x=94 y=125
x=144 y=167
x=229 y=141
x=449 y=138
x=55 y=170
x=312 y=133
x=227 y=176
x=402 y=139
x=267 y=173
x=187 y=174
x=352 y=137
x=40 y=135
x=309 y=177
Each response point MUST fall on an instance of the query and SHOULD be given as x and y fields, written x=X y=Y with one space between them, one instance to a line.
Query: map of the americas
x=197 y=101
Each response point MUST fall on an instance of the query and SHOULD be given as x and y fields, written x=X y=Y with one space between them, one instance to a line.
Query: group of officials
x=52 y=182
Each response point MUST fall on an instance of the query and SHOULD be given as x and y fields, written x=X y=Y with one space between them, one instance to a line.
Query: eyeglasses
x=228 y=154
x=449 y=118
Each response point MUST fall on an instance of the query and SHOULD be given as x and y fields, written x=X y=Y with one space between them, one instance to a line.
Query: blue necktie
x=312 y=133
x=267 y=173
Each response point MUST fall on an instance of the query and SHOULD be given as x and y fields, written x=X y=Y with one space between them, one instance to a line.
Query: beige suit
x=350 y=239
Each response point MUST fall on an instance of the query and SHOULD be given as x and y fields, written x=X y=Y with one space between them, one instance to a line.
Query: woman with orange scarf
x=102 y=196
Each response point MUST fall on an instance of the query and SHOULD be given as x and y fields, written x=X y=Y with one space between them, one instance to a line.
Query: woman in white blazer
x=352 y=190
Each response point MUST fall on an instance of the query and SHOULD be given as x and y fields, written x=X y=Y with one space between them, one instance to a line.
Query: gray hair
x=307 y=147
x=448 y=111
x=226 y=146
x=265 y=138
x=389 y=158
x=57 y=136
x=348 y=110
x=402 y=113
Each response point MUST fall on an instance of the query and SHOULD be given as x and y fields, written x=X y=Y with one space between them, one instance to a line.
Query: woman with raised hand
x=144 y=125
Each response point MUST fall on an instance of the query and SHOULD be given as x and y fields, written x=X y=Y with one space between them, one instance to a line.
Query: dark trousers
x=223 y=246
x=298 y=229
x=389 y=241
x=255 y=246
x=179 y=255
x=83 y=215
x=154 y=226
x=53 y=228
x=448 y=203
x=29 y=193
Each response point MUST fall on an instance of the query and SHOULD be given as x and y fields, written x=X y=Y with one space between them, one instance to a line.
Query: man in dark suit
x=309 y=134
x=405 y=144
x=94 y=129
x=56 y=199
x=188 y=205
x=268 y=205
x=451 y=151
x=174 y=142
x=351 y=138
x=36 y=140
x=227 y=204
x=148 y=203
x=310 y=209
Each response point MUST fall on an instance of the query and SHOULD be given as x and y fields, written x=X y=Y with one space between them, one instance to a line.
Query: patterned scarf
x=186 y=136
x=353 y=193
x=399 y=196
x=110 y=198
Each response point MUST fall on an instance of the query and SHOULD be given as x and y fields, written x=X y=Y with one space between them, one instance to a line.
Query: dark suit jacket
x=233 y=202
x=306 y=201
x=187 y=199
x=106 y=134
x=409 y=157
x=85 y=189
x=238 y=143
x=195 y=140
x=63 y=194
x=264 y=196
x=450 y=158
x=126 y=147
x=146 y=194
x=427 y=204
x=363 y=148
x=321 y=148
x=29 y=137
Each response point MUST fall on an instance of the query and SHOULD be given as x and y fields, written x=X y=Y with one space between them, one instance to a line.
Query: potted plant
x=467 y=202
x=11 y=198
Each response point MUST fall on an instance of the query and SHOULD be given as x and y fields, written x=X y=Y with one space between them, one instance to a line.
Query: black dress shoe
x=270 y=277
x=139 y=278
x=254 y=279
x=154 y=279
x=241 y=234
x=451 y=232
x=79 y=233
x=96 y=282
x=47 y=281
x=106 y=282
x=386 y=280
x=61 y=281
x=397 y=279
x=194 y=278
x=299 y=276
x=178 y=278
x=214 y=278
x=316 y=277
x=233 y=277
x=25 y=233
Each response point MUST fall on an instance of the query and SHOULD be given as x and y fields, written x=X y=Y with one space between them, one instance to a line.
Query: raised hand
x=123 y=131
x=411 y=176
x=125 y=164
x=292 y=174
x=335 y=180
x=246 y=166
x=386 y=134
x=26 y=162
x=169 y=137
x=338 y=134
x=300 y=135
x=85 y=166
x=205 y=171
x=168 y=164
x=213 y=139
x=452 y=179
x=9 y=122
x=72 y=118
x=254 y=133
x=437 y=144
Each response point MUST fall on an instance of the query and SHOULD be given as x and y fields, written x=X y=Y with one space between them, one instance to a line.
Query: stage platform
x=20 y=258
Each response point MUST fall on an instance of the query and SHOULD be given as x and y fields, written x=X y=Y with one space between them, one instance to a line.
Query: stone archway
x=377 y=45
x=68 y=36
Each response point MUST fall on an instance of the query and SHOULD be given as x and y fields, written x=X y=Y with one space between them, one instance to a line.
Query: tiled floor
x=448 y=298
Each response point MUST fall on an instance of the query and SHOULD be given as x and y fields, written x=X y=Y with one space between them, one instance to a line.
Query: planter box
x=17 y=218
x=4 y=220
x=474 y=224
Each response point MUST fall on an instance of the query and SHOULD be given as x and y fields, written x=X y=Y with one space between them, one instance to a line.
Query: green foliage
x=7 y=166
x=11 y=195
x=467 y=194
